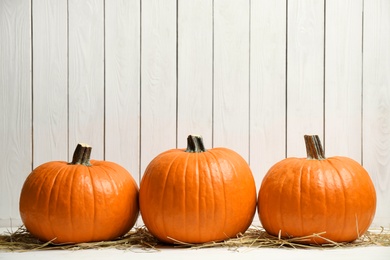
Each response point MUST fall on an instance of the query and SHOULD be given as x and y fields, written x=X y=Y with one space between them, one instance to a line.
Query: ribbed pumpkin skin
x=300 y=197
x=78 y=203
x=197 y=197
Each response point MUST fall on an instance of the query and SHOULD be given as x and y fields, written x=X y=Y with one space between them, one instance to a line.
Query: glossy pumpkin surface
x=79 y=202
x=197 y=195
x=334 y=197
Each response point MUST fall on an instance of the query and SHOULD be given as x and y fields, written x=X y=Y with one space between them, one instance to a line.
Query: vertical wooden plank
x=122 y=109
x=305 y=66
x=86 y=75
x=195 y=79
x=376 y=103
x=267 y=86
x=15 y=106
x=343 y=75
x=158 y=78
x=231 y=75
x=50 y=83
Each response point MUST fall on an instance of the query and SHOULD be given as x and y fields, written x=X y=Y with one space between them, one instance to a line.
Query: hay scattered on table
x=22 y=240
x=256 y=237
x=140 y=239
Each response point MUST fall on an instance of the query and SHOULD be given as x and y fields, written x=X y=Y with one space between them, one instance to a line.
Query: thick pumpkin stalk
x=195 y=144
x=82 y=154
x=314 y=148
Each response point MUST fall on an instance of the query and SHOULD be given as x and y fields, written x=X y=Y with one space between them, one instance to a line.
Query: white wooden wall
x=133 y=78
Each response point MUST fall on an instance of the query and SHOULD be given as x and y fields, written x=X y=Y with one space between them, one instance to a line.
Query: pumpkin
x=333 y=198
x=82 y=201
x=196 y=195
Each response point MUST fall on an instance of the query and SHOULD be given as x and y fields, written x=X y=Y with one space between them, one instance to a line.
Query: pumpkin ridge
x=71 y=209
x=223 y=185
x=263 y=215
x=324 y=190
x=34 y=182
x=113 y=172
x=341 y=180
x=53 y=182
x=103 y=169
x=351 y=170
x=167 y=175
x=206 y=159
x=209 y=160
x=319 y=191
x=71 y=176
x=58 y=179
x=234 y=162
x=107 y=169
x=296 y=166
x=280 y=199
x=184 y=193
x=230 y=161
x=300 y=198
x=93 y=193
x=337 y=178
x=326 y=194
x=198 y=177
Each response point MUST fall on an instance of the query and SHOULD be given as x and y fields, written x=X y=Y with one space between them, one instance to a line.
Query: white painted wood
x=267 y=86
x=231 y=75
x=15 y=105
x=195 y=68
x=133 y=78
x=343 y=78
x=305 y=66
x=122 y=88
x=158 y=78
x=376 y=103
x=50 y=81
x=86 y=76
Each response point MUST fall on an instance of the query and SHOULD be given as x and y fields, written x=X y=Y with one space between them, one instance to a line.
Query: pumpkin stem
x=82 y=154
x=195 y=144
x=314 y=148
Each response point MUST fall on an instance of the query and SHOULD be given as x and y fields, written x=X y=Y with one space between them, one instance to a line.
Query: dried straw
x=140 y=238
x=21 y=240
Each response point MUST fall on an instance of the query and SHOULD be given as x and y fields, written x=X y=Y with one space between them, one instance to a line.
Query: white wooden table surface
x=376 y=253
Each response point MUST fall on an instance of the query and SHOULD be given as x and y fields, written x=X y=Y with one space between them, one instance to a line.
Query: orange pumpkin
x=197 y=195
x=81 y=201
x=305 y=196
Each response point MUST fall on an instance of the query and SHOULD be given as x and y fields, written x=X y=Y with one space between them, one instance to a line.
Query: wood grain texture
x=268 y=86
x=132 y=78
x=343 y=74
x=305 y=67
x=50 y=81
x=122 y=105
x=15 y=105
x=158 y=79
x=195 y=78
x=86 y=75
x=231 y=75
x=376 y=103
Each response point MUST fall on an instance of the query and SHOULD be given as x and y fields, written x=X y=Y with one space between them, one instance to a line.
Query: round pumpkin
x=196 y=195
x=333 y=198
x=82 y=201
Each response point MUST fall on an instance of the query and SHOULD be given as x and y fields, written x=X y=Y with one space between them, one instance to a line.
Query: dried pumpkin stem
x=82 y=154
x=314 y=148
x=195 y=144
